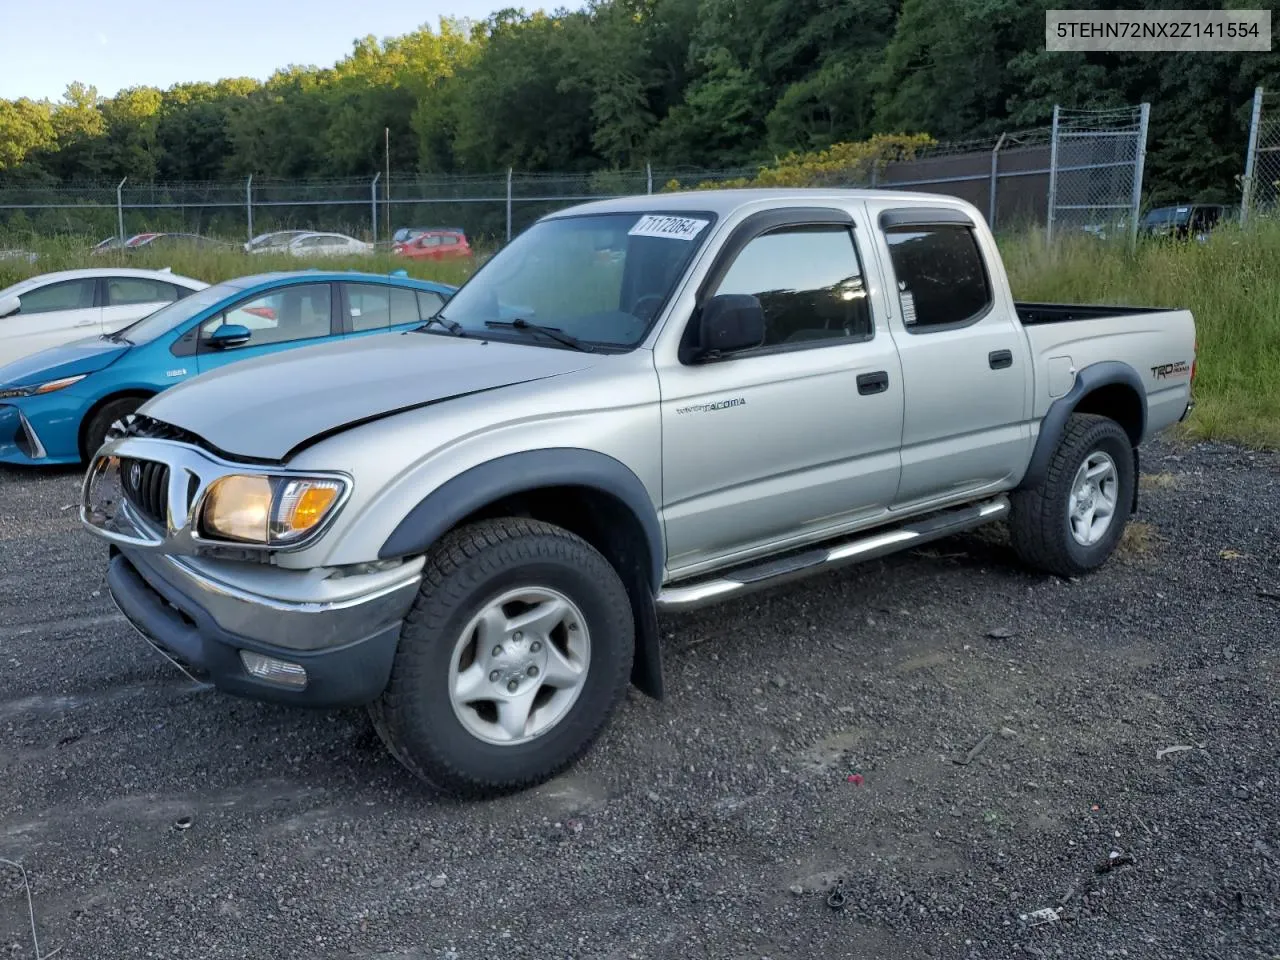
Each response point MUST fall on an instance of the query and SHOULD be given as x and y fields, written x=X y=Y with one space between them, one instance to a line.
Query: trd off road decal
x=1165 y=370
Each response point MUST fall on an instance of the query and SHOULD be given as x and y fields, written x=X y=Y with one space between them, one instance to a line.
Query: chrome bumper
x=296 y=610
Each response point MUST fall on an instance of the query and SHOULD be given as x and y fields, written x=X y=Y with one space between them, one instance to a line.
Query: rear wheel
x=1070 y=522
x=95 y=431
x=512 y=659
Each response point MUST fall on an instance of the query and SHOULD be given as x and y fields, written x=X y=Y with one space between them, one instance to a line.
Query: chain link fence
x=1083 y=172
x=1261 y=187
x=1096 y=165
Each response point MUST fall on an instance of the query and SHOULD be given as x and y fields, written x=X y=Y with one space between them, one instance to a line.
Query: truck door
x=799 y=435
x=966 y=365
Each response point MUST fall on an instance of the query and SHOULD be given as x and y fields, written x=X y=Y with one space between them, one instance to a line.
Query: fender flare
x=519 y=473
x=1105 y=373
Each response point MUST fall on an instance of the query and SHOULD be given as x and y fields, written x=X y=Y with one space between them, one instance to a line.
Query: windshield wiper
x=117 y=338
x=453 y=326
x=520 y=323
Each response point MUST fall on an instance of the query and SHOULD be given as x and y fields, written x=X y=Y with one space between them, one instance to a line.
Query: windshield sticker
x=675 y=228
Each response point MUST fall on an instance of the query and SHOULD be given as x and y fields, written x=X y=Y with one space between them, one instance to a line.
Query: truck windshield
x=600 y=278
x=169 y=316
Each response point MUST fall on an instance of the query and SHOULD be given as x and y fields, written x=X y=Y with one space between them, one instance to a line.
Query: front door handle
x=1000 y=359
x=877 y=382
x=86 y=323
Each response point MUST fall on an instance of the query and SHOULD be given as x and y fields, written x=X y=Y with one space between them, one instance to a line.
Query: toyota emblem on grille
x=135 y=474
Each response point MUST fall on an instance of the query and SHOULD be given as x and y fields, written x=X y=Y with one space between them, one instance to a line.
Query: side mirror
x=9 y=306
x=229 y=335
x=730 y=322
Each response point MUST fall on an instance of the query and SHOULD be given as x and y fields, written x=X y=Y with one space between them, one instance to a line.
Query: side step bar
x=770 y=573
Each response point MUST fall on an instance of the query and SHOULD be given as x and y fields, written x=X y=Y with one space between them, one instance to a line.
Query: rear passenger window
x=942 y=278
x=129 y=290
x=370 y=307
x=808 y=280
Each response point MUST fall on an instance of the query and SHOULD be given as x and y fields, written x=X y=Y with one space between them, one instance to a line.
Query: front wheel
x=95 y=431
x=1070 y=522
x=512 y=659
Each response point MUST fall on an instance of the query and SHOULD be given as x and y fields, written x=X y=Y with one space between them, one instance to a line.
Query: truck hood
x=268 y=406
x=68 y=360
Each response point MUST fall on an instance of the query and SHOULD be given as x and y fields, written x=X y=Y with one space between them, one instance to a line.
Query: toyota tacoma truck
x=640 y=405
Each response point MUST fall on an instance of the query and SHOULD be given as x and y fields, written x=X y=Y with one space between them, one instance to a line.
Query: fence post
x=120 y=208
x=1251 y=157
x=875 y=172
x=1053 y=170
x=1140 y=162
x=508 y=204
x=373 y=205
x=995 y=178
x=648 y=175
x=248 y=204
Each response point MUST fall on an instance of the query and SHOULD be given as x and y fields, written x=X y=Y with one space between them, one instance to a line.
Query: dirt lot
x=709 y=825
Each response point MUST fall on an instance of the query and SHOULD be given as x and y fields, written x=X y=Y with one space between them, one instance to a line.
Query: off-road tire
x=1039 y=525
x=95 y=430
x=414 y=716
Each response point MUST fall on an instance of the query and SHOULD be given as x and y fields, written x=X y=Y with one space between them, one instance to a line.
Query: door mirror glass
x=730 y=322
x=9 y=306
x=228 y=335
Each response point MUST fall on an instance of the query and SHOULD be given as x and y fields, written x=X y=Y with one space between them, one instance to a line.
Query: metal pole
x=1140 y=162
x=508 y=204
x=248 y=204
x=1053 y=169
x=386 y=184
x=1251 y=156
x=648 y=175
x=373 y=204
x=120 y=209
x=875 y=172
x=995 y=175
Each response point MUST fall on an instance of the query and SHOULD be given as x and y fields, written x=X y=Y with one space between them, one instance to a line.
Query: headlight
x=268 y=510
x=50 y=386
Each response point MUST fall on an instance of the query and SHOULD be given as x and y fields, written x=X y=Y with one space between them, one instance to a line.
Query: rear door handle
x=1000 y=359
x=877 y=382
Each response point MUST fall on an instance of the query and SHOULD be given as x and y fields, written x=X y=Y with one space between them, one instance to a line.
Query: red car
x=434 y=245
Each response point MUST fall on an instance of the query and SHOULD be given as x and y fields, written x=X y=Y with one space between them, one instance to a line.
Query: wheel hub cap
x=1095 y=492
x=519 y=665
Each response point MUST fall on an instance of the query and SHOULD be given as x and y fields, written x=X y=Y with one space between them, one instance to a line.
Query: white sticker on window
x=674 y=228
x=908 y=307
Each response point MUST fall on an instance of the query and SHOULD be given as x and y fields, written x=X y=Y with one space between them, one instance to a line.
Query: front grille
x=146 y=486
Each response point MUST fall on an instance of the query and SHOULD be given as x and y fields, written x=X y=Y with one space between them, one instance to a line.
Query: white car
x=56 y=308
x=274 y=242
x=327 y=245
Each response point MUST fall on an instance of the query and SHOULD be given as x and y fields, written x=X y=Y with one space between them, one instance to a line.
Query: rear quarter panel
x=1160 y=347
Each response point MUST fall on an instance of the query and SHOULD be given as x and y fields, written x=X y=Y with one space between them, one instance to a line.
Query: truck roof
x=724 y=202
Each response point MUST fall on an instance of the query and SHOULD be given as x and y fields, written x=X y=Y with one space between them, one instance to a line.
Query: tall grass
x=213 y=265
x=1231 y=284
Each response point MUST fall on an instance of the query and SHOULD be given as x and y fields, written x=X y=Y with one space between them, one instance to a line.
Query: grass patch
x=1139 y=538
x=1230 y=284
x=214 y=265
x=1157 y=481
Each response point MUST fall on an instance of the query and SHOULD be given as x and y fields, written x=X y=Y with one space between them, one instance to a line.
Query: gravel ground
x=810 y=739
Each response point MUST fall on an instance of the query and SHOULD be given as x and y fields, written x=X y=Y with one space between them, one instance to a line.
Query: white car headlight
x=268 y=510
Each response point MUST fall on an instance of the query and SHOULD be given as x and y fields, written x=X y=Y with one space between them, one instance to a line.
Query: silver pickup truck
x=640 y=405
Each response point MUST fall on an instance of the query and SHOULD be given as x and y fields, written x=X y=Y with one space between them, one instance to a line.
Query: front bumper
x=346 y=647
x=39 y=431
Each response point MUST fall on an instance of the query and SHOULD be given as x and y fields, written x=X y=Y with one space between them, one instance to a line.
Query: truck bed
x=1037 y=313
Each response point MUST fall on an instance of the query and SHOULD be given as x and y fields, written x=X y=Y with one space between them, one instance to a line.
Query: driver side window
x=300 y=312
x=809 y=282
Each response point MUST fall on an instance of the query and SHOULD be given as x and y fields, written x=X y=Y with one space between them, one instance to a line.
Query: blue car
x=57 y=405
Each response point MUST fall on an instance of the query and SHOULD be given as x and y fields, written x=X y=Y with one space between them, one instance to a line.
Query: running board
x=770 y=573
